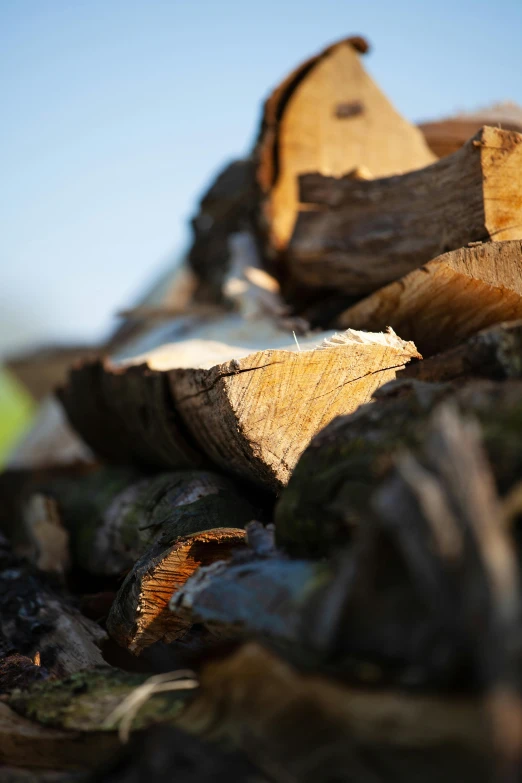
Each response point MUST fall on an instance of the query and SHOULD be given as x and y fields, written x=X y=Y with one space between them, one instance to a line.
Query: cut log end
x=140 y=615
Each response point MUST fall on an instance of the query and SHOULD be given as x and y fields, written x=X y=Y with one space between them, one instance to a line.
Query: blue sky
x=116 y=115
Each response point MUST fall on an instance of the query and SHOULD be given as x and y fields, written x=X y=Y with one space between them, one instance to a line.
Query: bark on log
x=127 y=415
x=448 y=299
x=252 y=416
x=329 y=494
x=362 y=235
x=114 y=514
x=328 y=116
x=492 y=353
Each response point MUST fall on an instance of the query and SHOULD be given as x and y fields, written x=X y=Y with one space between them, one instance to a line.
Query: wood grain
x=448 y=299
x=328 y=116
x=356 y=236
x=254 y=416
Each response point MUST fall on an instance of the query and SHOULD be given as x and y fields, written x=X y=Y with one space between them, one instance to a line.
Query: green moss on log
x=85 y=700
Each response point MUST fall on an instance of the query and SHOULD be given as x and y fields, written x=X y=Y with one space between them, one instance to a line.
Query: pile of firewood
x=269 y=529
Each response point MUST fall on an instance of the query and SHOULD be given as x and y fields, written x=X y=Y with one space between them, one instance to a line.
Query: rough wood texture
x=328 y=116
x=252 y=415
x=448 y=299
x=457 y=544
x=362 y=235
x=492 y=353
x=449 y=135
x=126 y=414
x=113 y=514
x=140 y=616
x=309 y=729
x=329 y=494
x=255 y=416
x=39 y=623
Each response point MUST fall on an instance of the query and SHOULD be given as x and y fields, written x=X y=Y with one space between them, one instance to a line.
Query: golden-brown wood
x=140 y=615
x=328 y=116
x=355 y=236
x=251 y=413
x=256 y=415
x=448 y=299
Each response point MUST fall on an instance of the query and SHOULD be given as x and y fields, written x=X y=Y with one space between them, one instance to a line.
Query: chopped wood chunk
x=328 y=116
x=448 y=299
x=491 y=353
x=126 y=414
x=356 y=236
x=252 y=414
x=255 y=415
x=329 y=494
x=140 y=615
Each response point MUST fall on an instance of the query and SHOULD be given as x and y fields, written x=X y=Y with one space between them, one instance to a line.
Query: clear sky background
x=116 y=114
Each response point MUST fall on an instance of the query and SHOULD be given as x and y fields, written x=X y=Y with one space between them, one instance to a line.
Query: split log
x=114 y=514
x=140 y=616
x=252 y=415
x=362 y=235
x=127 y=415
x=448 y=299
x=449 y=135
x=307 y=729
x=329 y=493
x=255 y=415
x=437 y=548
x=328 y=116
x=38 y=623
x=492 y=353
